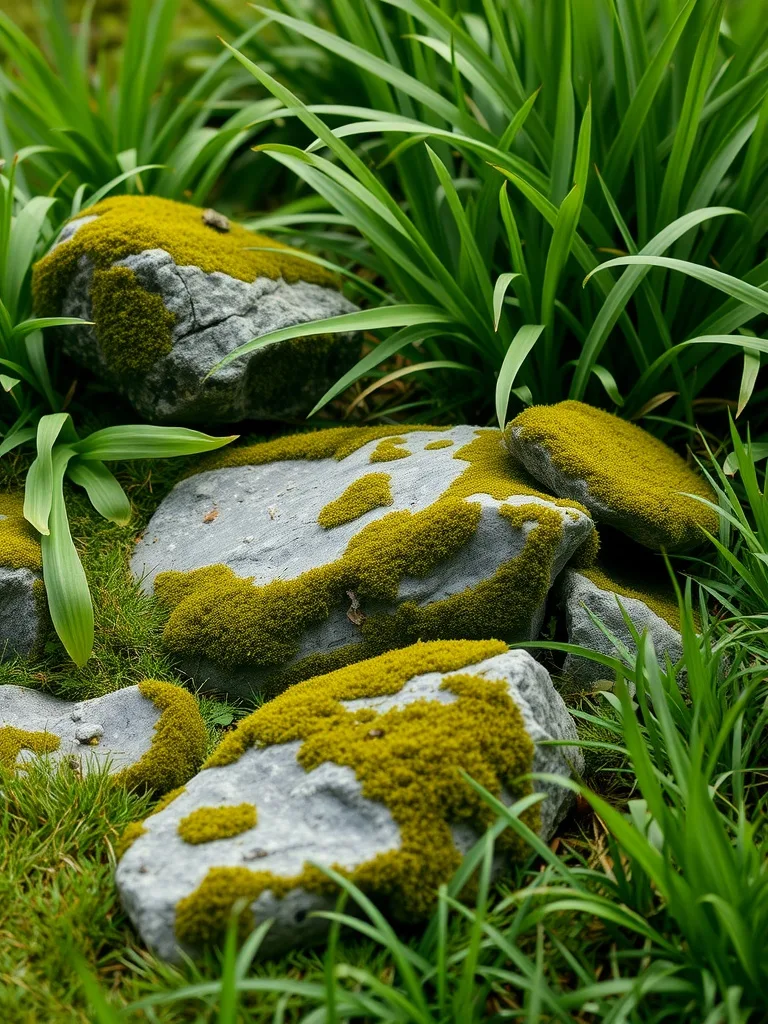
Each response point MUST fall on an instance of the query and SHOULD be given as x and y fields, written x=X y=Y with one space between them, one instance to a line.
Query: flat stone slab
x=169 y=294
x=341 y=544
x=152 y=734
x=582 y=595
x=356 y=770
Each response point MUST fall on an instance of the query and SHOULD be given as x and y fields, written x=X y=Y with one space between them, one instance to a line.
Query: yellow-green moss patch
x=19 y=546
x=389 y=450
x=206 y=824
x=13 y=741
x=135 y=829
x=132 y=325
x=639 y=484
x=369 y=492
x=178 y=741
x=433 y=446
x=406 y=758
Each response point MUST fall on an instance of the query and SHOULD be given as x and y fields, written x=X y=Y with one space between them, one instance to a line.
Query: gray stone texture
x=580 y=596
x=123 y=723
x=266 y=528
x=21 y=619
x=318 y=816
x=215 y=314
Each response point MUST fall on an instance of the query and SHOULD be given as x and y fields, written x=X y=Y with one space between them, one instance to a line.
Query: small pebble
x=76 y=716
x=256 y=854
x=89 y=732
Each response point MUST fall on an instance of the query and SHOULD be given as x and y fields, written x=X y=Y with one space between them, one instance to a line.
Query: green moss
x=133 y=327
x=434 y=445
x=178 y=741
x=406 y=758
x=19 y=546
x=640 y=482
x=13 y=741
x=220 y=616
x=368 y=492
x=206 y=824
x=660 y=599
x=389 y=450
x=128 y=225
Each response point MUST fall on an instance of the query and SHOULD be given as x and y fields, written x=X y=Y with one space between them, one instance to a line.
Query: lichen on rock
x=360 y=770
x=168 y=295
x=626 y=477
x=207 y=824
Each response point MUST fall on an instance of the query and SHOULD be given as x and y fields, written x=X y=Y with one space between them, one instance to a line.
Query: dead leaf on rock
x=355 y=613
x=216 y=220
x=213 y=514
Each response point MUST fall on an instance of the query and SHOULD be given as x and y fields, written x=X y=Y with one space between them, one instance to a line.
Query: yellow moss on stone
x=641 y=482
x=133 y=327
x=435 y=445
x=19 y=546
x=128 y=225
x=136 y=829
x=407 y=758
x=206 y=824
x=389 y=450
x=368 y=492
x=178 y=741
x=661 y=600
x=13 y=741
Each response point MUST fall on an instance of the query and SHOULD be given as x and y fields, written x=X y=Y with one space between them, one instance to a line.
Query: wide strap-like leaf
x=144 y=441
x=105 y=493
x=38 y=490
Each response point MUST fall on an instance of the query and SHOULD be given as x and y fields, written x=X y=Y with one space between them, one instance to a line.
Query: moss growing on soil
x=207 y=824
x=406 y=758
x=19 y=546
x=178 y=741
x=132 y=325
x=369 y=492
x=13 y=741
x=639 y=484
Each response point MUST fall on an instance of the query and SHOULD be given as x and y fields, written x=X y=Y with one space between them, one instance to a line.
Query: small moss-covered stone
x=626 y=477
x=168 y=295
x=361 y=770
x=23 y=609
x=207 y=824
x=369 y=492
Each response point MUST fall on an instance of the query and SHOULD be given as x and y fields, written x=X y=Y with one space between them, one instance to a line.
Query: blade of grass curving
x=559 y=250
x=39 y=485
x=565 y=117
x=522 y=343
x=503 y=282
x=749 y=374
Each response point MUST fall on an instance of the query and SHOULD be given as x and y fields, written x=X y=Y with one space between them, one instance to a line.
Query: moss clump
x=136 y=829
x=369 y=492
x=178 y=741
x=13 y=741
x=207 y=824
x=406 y=758
x=389 y=450
x=637 y=482
x=661 y=600
x=434 y=445
x=133 y=327
x=19 y=546
x=128 y=225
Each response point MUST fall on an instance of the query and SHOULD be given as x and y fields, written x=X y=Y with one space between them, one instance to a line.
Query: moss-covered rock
x=151 y=735
x=312 y=563
x=593 y=591
x=626 y=477
x=170 y=293
x=23 y=613
x=358 y=770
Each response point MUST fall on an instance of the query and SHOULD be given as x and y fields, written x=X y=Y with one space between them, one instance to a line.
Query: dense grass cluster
x=530 y=200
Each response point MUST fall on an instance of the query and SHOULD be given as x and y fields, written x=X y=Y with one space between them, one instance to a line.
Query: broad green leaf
x=105 y=493
x=522 y=343
x=144 y=441
x=15 y=438
x=8 y=383
x=69 y=599
x=38 y=488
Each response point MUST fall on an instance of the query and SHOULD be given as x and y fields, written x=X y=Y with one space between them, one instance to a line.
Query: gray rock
x=580 y=596
x=317 y=816
x=215 y=314
x=266 y=528
x=21 y=618
x=122 y=723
